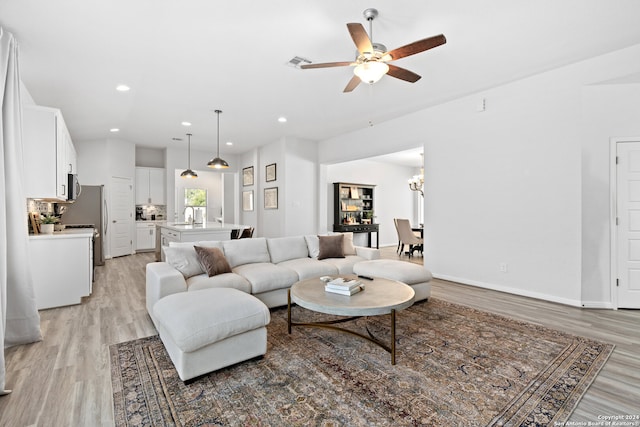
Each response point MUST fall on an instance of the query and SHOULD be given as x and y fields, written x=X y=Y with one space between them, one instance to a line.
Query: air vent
x=297 y=61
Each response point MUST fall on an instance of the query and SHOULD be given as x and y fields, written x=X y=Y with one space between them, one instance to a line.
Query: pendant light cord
x=218 y=113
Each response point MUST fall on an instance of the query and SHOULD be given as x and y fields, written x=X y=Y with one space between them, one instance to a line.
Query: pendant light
x=218 y=163
x=189 y=174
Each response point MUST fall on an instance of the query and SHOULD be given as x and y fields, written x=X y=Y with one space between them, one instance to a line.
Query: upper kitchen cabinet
x=49 y=154
x=150 y=186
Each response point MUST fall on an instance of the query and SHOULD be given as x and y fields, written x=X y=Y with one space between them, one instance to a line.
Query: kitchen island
x=185 y=232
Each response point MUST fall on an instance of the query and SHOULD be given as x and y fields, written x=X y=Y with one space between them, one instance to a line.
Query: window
x=195 y=200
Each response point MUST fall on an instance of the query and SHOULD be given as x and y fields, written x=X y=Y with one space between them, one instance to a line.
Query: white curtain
x=19 y=318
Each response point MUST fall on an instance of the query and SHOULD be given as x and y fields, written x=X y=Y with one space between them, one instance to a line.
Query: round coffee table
x=379 y=297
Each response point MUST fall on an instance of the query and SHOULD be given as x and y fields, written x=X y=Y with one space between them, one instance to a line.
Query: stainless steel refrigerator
x=89 y=209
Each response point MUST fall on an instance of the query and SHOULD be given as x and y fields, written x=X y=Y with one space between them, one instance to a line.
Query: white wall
x=505 y=185
x=392 y=197
x=150 y=157
x=609 y=111
x=298 y=176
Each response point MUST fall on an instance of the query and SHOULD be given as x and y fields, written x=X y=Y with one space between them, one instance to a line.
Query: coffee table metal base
x=330 y=324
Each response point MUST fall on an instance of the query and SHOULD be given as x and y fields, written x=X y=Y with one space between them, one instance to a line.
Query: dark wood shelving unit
x=353 y=209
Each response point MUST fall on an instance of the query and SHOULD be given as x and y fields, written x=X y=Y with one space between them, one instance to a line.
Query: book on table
x=343 y=284
x=344 y=287
x=339 y=291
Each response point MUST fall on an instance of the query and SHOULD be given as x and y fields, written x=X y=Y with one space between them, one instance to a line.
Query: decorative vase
x=46 y=228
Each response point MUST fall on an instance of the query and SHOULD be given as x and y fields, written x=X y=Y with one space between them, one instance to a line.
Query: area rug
x=454 y=366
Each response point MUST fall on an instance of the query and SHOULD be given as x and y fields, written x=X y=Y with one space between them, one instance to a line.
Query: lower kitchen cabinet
x=145 y=236
x=61 y=267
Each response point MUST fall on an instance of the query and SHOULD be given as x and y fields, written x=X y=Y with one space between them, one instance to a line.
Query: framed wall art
x=270 y=172
x=247 y=176
x=271 y=198
x=247 y=200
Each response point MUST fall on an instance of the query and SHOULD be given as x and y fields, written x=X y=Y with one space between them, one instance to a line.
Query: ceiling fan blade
x=327 y=65
x=417 y=47
x=403 y=74
x=353 y=83
x=360 y=37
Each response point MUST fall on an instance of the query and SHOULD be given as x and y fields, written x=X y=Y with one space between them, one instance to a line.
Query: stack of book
x=344 y=287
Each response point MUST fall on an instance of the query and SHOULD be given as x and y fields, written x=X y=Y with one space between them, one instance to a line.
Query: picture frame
x=247 y=200
x=271 y=198
x=270 y=172
x=247 y=176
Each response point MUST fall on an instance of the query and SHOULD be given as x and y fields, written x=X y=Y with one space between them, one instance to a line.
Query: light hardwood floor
x=65 y=379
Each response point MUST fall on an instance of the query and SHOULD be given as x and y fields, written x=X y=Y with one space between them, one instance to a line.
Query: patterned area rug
x=454 y=366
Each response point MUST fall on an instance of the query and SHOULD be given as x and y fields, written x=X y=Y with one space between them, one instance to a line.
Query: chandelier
x=416 y=182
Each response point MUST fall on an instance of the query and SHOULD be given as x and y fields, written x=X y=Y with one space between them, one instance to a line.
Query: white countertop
x=72 y=233
x=206 y=226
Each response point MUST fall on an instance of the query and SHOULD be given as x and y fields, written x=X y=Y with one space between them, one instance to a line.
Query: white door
x=628 y=229
x=121 y=221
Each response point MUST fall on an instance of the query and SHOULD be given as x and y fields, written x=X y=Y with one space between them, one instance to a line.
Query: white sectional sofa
x=263 y=267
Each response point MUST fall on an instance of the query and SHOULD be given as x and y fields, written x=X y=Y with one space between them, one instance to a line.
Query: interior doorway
x=625 y=222
x=120 y=224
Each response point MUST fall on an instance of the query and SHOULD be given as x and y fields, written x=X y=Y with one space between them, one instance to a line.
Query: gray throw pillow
x=212 y=260
x=183 y=259
x=331 y=246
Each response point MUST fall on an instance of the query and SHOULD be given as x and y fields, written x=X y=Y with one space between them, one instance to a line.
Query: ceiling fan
x=372 y=59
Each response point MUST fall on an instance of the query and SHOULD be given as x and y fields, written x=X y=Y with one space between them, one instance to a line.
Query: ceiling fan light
x=218 y=163
x=371 y=71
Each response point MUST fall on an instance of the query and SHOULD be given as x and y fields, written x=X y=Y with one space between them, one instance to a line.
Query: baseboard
x=598 y=304
x=510 y=290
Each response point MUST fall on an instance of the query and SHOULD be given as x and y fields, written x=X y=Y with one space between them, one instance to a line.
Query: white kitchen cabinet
x=49 y=155
x=145 y=235
x=61 y=267
x=150 y=186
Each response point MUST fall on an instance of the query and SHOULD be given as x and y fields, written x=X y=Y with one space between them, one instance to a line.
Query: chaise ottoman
x=413 y=275
x=209 y=329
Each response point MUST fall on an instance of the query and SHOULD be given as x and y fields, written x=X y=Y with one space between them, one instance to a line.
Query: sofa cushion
x=309 y=267
x=313 y=245
x=331 y=246
x=286 y=248
x=212 y=260
x=392 y=269
x=204 y=244
x=246 y=251
x=347 y=243
x=224 y=280
x=183 y=259
x=344 y=265
x=196 y=319
x=266 y=276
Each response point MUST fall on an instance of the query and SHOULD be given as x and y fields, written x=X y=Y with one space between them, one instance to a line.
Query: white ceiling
x=184 y=59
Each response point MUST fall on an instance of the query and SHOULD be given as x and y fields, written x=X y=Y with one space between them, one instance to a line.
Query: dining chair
x=395 y=223
x=407 y=237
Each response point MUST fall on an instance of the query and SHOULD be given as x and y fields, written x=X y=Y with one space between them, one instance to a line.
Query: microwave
x=73 y=186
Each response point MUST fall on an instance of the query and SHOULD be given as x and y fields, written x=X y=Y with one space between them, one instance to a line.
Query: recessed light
x=114 y=130
x=229 y=143
x=122 y=88
x=282 y=119
x=186 y=123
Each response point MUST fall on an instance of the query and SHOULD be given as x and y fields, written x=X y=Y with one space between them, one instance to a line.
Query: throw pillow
x=212 y=260
x=183 y=259
x=331 y=246
x=349 y=249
